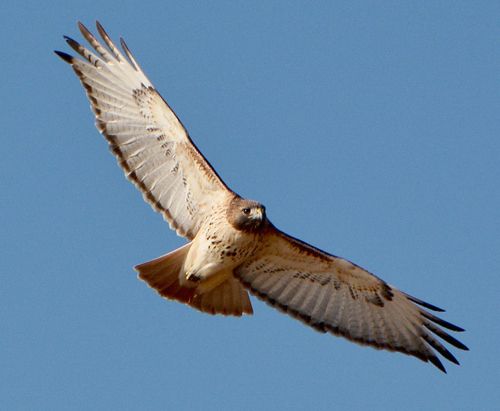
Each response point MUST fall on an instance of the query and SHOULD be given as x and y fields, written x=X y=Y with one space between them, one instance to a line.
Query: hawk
x=233 y=249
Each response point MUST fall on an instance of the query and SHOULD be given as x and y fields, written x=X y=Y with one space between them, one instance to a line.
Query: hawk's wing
x=147 y=138
x=334 y=295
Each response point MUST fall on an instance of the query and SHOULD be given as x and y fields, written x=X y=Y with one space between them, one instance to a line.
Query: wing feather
x=334 y=295
x=148 y=140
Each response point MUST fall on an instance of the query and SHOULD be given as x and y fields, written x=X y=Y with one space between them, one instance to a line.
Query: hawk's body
x=232 y=246
x=208 y=263
x=219 y=247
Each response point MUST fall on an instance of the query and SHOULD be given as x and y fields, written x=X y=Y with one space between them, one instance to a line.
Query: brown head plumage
x=246 y=215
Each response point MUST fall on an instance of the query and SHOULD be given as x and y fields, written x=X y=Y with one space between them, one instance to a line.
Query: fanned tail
x=228 y=298
x=162 y=274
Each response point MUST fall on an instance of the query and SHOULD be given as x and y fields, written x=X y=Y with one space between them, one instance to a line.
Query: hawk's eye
x=246 y=211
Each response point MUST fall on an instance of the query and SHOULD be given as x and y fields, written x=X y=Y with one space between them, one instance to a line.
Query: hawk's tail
x=228 y=298
x=162 y=274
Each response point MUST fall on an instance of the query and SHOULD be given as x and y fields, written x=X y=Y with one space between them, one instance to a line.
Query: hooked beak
x=259 y=214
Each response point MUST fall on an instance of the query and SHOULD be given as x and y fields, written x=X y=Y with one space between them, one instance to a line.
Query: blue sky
x=369 y=129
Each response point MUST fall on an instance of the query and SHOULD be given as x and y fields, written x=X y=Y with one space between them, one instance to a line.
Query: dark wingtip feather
x=124 y=46
x=442 y=322
x=65 y=56
x=445 y=336
x=83 y=29
x=449 y=356
x=128 y=53
x=101 y=30
x=423 y=303
x=73 y=43
x=438 y=364
x=440 y=349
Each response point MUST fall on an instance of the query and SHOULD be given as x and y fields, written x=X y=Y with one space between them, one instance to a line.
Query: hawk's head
x=246 y=215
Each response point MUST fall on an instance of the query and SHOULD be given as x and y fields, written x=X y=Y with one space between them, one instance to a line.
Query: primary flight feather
x=233 y=247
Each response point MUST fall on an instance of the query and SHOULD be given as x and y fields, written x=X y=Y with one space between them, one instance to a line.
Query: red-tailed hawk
x=233 y=248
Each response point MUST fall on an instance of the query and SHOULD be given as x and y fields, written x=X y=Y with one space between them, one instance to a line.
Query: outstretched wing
x=145 y=135
x=334 y=295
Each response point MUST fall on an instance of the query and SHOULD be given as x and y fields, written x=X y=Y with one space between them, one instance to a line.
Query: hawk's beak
x=257 y=216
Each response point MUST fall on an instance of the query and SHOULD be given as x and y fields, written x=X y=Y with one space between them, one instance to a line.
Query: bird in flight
x=233 y=248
